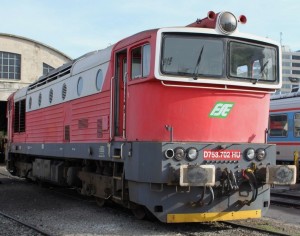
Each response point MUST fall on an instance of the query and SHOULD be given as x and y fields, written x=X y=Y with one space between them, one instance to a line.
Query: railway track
x=254 y=229
x=290 y=198
x=68 y=192
x=72 y=194
x=29 y=226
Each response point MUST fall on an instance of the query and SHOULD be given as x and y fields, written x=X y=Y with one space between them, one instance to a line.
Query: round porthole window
x=99 y=80
x=79 y=86
x=64 y=91
x=50 y=95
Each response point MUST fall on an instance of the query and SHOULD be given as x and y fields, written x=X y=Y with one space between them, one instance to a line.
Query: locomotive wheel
x=42 y=184
x=139 y=212
x=100 y=201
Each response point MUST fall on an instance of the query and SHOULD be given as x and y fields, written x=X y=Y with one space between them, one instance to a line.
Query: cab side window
x=140 y=62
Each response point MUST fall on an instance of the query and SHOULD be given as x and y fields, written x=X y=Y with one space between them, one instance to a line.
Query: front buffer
x=200 y=182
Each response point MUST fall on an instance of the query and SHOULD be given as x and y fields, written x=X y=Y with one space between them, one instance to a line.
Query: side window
x=136 y=62
x=278 y=125
x=140 y=61
x=146 y=60
x=47 y=68
x=297 y=125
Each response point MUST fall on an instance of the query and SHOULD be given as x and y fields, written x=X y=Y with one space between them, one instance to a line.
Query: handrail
x=111 y=108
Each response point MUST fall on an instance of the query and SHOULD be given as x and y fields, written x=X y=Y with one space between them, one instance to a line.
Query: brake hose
x=212 y=198
x=201 y=200
x=255 y=183
x=253 y=186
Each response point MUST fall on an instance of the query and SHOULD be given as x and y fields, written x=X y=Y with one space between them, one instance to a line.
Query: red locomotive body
x=172 y=121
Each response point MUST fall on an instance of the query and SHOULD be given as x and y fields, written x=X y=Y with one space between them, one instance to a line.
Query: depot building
x=23 y=61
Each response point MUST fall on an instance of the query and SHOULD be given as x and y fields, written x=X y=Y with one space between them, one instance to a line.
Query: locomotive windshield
x=193 y=56
x=197 y=57
x=252 y=62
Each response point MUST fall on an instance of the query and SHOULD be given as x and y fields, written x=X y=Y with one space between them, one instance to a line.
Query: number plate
x=222 y=155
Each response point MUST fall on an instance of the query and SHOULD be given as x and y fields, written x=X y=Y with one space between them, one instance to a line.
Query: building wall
x=290 y=70
x=33 y=55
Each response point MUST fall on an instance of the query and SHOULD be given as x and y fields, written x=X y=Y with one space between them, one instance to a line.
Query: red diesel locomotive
x=171 y=121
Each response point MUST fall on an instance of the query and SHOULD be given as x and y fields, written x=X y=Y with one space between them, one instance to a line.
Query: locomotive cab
x=206 y=110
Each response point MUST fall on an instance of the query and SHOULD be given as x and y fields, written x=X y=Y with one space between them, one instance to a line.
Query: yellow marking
x=213 y=216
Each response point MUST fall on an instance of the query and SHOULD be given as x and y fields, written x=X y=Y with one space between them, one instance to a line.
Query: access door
x=119 y=95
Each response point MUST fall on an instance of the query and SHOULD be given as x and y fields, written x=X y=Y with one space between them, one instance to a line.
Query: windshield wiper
x=262 y=70
x=196 y=74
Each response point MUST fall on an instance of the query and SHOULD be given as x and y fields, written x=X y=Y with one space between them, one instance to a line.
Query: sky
x=76 y=27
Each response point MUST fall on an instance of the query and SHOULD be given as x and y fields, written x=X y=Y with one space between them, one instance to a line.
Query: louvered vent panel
x=67 y=133
x=83 y=123
x=99 y=128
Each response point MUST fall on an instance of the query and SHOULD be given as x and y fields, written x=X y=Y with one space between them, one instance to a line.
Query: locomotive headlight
x=250 y=154
x=169 y=153
x=227 y=22
x=192 y=154
x=261 y=154
x=179 y=153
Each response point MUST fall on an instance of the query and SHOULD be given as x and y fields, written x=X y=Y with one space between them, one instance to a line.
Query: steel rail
x=285 y=199
x=53 y=189
x=236 y=225
x=25 y=224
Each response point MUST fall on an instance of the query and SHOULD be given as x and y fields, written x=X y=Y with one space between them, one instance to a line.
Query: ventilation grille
x=83 y=123
x=52 y=75
x=64 y=91
x=99 y=128
x=19 y=116
x=40 y=99
x=67 y=133
x=22 y=115
x=51 y=96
